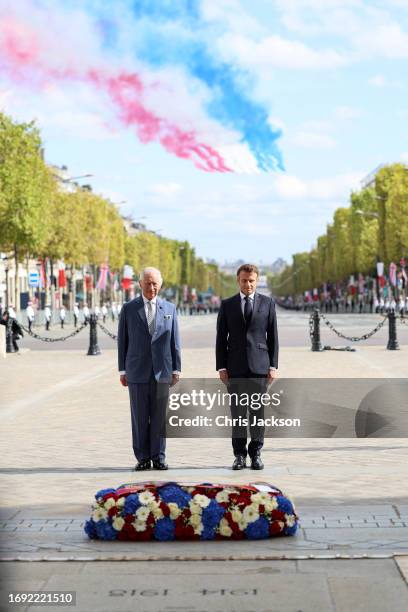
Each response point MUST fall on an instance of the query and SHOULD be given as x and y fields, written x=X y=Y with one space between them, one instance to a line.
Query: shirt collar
x=243 y=296
x=145 y=300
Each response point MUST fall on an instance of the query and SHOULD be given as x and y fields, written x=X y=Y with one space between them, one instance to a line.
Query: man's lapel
x=256 y=307
x=159 y=319
x=141 y=311
x=238 y=308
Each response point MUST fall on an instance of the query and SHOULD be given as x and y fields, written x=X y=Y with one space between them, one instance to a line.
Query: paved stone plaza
x=66 y=434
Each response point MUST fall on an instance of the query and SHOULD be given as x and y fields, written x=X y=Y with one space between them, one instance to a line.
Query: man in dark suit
x=247 y=358
x=149 y=363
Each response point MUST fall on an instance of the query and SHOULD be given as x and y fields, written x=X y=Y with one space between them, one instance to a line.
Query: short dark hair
x=247 y=268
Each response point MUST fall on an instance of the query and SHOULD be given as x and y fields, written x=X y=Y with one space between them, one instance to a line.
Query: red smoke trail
x=20 y=58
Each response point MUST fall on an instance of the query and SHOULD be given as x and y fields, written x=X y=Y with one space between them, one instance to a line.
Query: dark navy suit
x=247 y=351
x=149 y=362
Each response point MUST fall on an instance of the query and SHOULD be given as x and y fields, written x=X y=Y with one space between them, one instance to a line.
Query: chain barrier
x=350 y=338
x=45 y=339
x=106 y=331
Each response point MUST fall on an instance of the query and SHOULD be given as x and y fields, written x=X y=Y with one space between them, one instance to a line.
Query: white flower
x=199 y=529
x=195 y=520
x=139 y=525
x=290 y=520
x=242 y=524
x=109 y=503
x=157 y=513
x=224 y=529
x=251 y=513
x=260 y=497
x=142 y=513
x=195 y=508
x=99 y=514
x=270 y=505
x=202 y=500
x=118 y=523
x=236 y=515
x=222 y=496
x=174 y=510
x=146 y=497
x=121 y=502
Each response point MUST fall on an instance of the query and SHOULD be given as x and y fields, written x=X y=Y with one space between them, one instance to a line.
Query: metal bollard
x=316 y=344
x=93 y=337
x=392 y=332
x=9 y=337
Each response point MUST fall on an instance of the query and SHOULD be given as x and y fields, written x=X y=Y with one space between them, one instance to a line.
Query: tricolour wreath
x=171 y=511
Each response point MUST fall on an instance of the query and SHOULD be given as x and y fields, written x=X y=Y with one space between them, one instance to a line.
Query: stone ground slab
x=250 y=586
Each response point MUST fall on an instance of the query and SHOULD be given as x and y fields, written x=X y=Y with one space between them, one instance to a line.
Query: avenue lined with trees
x=373 y=228
x=41 y=219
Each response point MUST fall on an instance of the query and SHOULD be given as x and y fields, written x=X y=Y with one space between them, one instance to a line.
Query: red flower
x=129 y=518
x=129 y=531
x=278 y=515
x=234 y=498
x=261 y=508
x=108 y=495
x=164 y=508
x=185 y=532
x=113 y=511
x=275 y=528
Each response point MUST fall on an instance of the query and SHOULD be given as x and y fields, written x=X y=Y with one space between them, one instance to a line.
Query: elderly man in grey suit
x=149 y=363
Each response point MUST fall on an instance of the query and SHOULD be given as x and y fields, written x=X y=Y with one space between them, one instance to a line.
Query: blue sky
x=329 y=77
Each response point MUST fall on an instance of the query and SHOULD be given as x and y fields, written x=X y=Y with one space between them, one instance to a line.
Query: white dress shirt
x=251 y=297
x=243 y=296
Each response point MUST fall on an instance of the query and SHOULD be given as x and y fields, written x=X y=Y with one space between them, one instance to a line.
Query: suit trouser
x=148 y=405
x=242 y=389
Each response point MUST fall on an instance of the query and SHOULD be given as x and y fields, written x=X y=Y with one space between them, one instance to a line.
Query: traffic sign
x=33 y=279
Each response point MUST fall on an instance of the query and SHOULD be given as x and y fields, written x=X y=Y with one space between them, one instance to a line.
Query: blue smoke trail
x=159 y=45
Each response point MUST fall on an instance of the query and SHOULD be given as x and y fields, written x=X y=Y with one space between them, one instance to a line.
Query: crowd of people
x=348 y=304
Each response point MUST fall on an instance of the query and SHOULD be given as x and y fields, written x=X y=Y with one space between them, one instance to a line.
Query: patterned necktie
x=150 y=318
x=248 y=310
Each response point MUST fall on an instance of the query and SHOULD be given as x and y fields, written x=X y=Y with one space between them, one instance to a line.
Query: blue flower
x=105 y=531
x=174 y=494
x=208 y=533
x=212 y=514
x=132 y=503
x=284 y=504
x=164 y=529
x=290 y=530
x=103 y=492
x=258 y=530
x=90 y=529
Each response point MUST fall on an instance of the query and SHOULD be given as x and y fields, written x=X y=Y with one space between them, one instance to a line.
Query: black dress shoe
x=159 y=464
x=256 y=463
x=239 y=463
x=142 y=465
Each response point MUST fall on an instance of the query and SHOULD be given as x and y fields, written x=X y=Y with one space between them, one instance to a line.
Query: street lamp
x=74 y=178
x=367 y=213
x=6 y=270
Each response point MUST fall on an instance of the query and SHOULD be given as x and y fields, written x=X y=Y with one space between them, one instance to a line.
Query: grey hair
x=150 y=270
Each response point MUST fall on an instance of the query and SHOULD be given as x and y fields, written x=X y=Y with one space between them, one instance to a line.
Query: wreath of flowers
x=171 y=511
